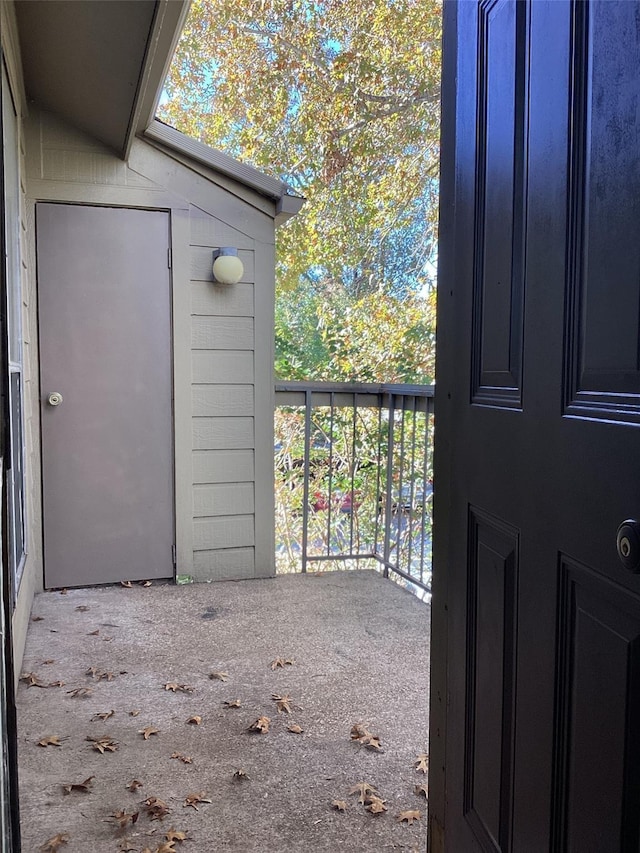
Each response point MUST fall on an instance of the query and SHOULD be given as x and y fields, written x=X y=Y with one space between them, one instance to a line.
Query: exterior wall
x=223 y=337
x=32 y=572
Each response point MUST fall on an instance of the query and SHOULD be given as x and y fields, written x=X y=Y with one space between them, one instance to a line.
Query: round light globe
x=227 y=267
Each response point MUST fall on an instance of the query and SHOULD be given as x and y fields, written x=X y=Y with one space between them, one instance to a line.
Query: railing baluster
x=389 y=487
x=305 y=488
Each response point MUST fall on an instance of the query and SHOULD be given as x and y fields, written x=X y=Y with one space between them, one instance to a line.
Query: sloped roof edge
x=253 y=178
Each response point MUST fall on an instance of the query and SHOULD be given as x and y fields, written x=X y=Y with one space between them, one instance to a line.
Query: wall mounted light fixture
x=227 y=266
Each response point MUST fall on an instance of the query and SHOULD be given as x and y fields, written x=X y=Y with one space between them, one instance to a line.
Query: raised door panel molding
x=502 y=108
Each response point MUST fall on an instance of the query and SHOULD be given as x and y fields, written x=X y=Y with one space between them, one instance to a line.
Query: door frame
x=174 y=379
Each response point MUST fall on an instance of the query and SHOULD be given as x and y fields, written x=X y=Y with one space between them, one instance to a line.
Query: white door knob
x=54 y=399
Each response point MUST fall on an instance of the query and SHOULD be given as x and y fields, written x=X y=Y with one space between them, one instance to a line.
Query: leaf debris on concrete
x=261 y=725
x=280 y=663
x=409 y=816
x=55 y=843
x=84 y=787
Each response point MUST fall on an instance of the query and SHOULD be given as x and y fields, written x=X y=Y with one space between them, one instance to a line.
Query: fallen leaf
x=219 y=676
x=84 y=787
x=94 y=633
x=126 y=584
x=133 y=785
x=122 y=818
x=295 y=729
x=410 y=815
x=37 y=618
x=82 y=608
x=232 y=703
x=64 y=591
x=150 y=730
x=48 y=661
x=373 y=743
x=186 y=759
x=50 y=740
x=31 y=679
x=195 y=720
x=107 y=639
x=175 y=687
x=103 y=744
x=125 y=846
x=166 y=847
x=358 y=732
x=241 y=775
x=375 y=805
x=261 y=725
x=362 y=735
x=102 y=716
x=280 y=663
x=55 y=843
x=80 y=692
x=134 y=713
x=362 y=788
x=283 y=702
x=422 y=789
x=173 y=835
x=156 y=809
x=55 y=684
x=144 y=583
x=340 y=805
x=193 y=800
x=422 y=762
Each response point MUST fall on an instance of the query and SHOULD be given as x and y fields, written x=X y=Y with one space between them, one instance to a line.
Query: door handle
x=54 y=399
x=628 y=544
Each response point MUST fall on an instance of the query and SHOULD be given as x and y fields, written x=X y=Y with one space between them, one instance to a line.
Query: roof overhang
x=99 y=65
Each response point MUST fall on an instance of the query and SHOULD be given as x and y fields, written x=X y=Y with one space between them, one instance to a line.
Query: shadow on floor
x=361 y=649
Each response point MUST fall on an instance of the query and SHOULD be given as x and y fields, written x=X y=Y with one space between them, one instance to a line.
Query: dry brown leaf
x=82 y=608
x=422 y=762
x=339 y=805
x=103 y=744
x=126 y=584
x=94 y=633
x=135 y=712
x=363 y=789
x=103 y=716
x=148 y=731
x=175 y=687
x=219 y=676
x=125 y=846
x=195 y=720
x=241 y=775
x=295 y=729
x=193 y=800
x=156 y=809
x=283 y=702
x=50 y=740
x=232 y=703
x=133 y=785
x=172 y=835
x=261 y=725
x=166 y=847
x=362 y=735
x=31 y=679
x=55 y=684
x=422 y=789
x=55 y=843
x=80 y=692
x=373 y=743
x=358 y=732
x=37 y=618
x=186 y=759
x=280 y=663
x=64 y=591
x=410 y=815
x=107 y=639
x=375 y=805
x=84 y=787
x=122 y=818
x=48 y=661
x=144 y=583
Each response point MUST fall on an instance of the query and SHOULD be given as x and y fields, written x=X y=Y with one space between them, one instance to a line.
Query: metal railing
x=354 y=477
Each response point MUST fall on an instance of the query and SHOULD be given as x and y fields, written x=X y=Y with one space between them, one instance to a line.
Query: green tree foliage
x=340 y=98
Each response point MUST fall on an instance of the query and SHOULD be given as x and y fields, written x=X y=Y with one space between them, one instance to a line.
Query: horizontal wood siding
x=223 y=403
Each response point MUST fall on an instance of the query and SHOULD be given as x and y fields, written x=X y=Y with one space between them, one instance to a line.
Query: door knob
x=54 y=399
x=628 y=544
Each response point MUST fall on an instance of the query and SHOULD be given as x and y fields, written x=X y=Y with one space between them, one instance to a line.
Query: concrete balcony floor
x=361 y=650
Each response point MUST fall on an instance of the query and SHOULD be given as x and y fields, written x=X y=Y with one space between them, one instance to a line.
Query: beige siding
x=223 y=341
x=32 y=572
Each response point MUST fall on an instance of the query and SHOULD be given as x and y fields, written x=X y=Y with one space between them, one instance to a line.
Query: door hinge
x=169 y=258
x=173 y=555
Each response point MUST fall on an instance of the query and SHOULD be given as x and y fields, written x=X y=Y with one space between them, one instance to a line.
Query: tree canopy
x=340 y=98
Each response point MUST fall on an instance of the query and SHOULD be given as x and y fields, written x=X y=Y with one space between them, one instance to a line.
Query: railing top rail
x=356 y=388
